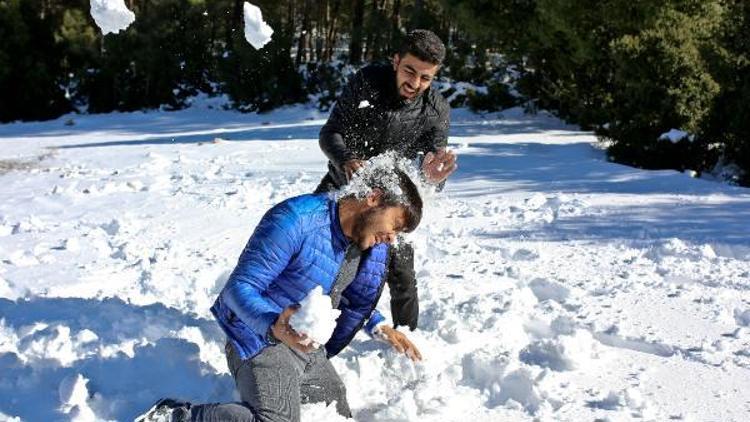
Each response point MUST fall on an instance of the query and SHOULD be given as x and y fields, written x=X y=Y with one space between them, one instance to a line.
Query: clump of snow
x=315 y=317
x=565 y=353
x=257 y=31
x=379 y=171
x=364 y=104
x=742 y=317
x=111 y=16
x=675 y=135
x=73 y=398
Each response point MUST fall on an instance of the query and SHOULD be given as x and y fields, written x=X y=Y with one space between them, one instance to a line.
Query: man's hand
x=436 y=167
x=350 y=167
x=286 y=334
x=399 y=341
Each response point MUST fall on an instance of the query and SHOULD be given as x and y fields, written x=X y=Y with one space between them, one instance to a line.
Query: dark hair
x=424 y=45
x=408 y=198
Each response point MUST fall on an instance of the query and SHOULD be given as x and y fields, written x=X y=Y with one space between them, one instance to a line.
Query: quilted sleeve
x=275 y=241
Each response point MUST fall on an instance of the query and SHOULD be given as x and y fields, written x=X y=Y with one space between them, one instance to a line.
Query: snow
x=111 y=16
x=554 y=285
x=675 y=135
x=315 y=317
x=257 y=31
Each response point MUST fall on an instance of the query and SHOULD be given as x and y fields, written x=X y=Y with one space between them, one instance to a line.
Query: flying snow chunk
x=257 y=31
x=111 y=16
x=315 y=317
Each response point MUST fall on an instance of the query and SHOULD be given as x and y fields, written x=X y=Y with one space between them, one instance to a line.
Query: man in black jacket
x=390 y=107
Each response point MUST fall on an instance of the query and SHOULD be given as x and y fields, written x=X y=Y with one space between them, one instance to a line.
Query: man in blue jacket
x=304 y=242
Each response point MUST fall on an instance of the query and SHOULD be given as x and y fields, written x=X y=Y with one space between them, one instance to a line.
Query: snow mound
x=257 y=31
x=73 y=397
x=111 y=16
x=565 y=353
x=315 y=317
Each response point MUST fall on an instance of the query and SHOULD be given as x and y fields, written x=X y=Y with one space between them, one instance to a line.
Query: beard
x=360 y=232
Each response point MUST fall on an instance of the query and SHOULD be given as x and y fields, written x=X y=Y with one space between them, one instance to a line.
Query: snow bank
x=675 y=135
x=257 y=31
x=111 y=16
x=315 y=317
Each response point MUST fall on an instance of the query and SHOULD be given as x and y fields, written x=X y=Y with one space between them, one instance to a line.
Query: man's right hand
x=286 y=334
x=350 y=167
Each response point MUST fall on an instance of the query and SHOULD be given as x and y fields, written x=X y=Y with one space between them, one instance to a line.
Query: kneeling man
x=304 y=242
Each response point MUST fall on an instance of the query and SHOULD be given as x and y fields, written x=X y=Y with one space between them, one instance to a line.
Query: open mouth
x=409 y=90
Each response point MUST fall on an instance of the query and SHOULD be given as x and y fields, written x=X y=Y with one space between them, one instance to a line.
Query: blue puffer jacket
x=297 y=246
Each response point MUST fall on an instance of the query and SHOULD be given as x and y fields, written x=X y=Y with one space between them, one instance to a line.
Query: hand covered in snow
x=399 y=341
x=350 y=167
x=286 y=334
x=438 y=166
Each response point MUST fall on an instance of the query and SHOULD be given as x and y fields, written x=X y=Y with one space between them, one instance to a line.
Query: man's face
x=379 y=224
x=413 y=76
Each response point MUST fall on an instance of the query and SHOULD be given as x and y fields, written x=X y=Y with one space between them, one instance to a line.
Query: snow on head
x=111 y=16
x=315 y=317
x=257 y=31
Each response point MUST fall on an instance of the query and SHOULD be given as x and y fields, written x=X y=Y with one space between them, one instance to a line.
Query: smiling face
x=378 y=224
x=413 y=76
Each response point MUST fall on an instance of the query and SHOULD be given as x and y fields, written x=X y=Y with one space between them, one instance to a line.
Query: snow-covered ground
x=554 y=284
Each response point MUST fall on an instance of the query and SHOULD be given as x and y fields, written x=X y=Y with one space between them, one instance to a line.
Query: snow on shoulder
x=257 y=31
x=315 y=317
x=111 y=16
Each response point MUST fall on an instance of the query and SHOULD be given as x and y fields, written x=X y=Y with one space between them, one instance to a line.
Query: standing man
x=304 y=242
x=392 y=108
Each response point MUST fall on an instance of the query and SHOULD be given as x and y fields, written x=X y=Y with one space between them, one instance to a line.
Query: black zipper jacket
x=370 y=118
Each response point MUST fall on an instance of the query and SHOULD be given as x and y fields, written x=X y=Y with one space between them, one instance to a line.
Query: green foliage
x=30 y=69
x=629 y=69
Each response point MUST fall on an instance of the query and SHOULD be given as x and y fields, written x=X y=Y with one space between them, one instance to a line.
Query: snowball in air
x=111 y=16
x=257 y=31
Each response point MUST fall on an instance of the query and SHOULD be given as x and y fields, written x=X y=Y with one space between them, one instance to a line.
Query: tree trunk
x=331 y=32
x=395 y=27
x=355 y=47
x=304 y=36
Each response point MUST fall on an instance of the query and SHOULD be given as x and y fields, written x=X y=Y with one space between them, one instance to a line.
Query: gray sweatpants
x=273 y=385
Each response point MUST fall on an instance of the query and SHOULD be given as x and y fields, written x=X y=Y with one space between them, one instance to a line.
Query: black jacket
x=370 y=118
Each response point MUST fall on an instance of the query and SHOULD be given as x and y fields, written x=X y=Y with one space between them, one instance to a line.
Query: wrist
x=270 y=338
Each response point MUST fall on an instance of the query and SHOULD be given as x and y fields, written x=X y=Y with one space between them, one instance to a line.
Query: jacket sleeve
x=436 y=134
x=268 y=252
x=376 y=318
x=332 y=135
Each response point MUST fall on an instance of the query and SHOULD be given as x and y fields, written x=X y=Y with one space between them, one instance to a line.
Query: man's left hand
x=399 y=341
x=439 y=165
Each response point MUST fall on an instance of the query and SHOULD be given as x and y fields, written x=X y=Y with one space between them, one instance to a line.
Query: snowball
x=364 y=104
x=315 y=317
x=257 y=31
x=111 y=16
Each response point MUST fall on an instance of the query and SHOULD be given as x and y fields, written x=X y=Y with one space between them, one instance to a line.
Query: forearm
x=333 y=146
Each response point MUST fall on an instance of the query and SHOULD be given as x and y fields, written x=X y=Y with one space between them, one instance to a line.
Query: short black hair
x=424 y=45
x=408 y=198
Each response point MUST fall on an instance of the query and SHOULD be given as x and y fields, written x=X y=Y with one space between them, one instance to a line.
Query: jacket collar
x=337 y=233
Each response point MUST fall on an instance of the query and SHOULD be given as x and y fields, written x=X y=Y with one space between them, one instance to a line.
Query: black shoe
x=167 y=410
